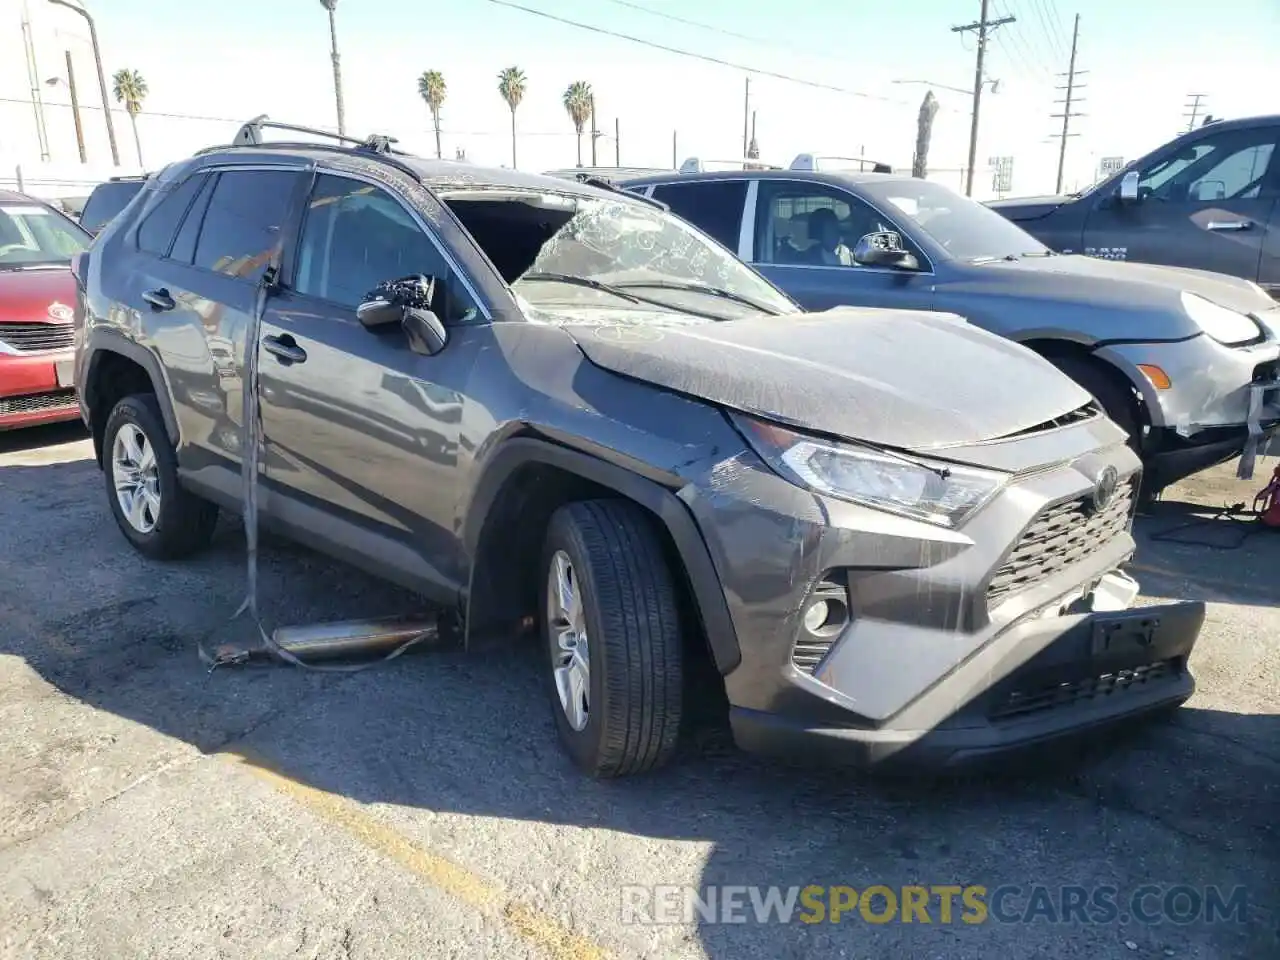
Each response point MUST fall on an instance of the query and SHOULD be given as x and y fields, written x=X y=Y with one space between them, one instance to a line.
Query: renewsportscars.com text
x=938 y=903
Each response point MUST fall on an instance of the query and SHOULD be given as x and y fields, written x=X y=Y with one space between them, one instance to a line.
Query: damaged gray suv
x=547 y=403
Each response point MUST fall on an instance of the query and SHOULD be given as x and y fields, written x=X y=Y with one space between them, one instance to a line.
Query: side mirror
x=1128 y=192
x=884 y=250
x=426 y=333
x=379 y=311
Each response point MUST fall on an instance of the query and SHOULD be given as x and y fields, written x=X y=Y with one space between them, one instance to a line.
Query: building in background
x=38 y=140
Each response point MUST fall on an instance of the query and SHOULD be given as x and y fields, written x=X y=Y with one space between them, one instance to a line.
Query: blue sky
x=242 y=57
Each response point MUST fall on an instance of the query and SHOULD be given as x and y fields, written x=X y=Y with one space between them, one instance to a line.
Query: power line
x=1066 y=115
x=697 y=56
x=1055 y=44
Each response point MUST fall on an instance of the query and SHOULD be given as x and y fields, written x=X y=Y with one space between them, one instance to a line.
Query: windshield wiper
x=699 y=288
x=581 y=282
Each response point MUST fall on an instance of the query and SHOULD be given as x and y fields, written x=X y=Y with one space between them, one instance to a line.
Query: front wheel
x=611 y=626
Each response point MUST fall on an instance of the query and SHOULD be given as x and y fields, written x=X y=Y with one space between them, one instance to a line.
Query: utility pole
x=746 y=119
x=75 y=108
x=984 y=29
x=674 y=163
x=595 y=133
x=102 y=77
x=1066 y=115
x=1193 y=109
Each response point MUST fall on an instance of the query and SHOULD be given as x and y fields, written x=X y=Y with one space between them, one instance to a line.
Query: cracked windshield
x=639 y=480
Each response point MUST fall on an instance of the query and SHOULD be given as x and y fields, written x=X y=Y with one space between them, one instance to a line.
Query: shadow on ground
x=1192 y=801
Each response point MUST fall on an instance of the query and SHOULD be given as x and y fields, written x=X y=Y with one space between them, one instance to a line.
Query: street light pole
x=102 y=78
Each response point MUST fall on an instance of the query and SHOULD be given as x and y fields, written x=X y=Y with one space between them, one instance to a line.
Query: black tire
x=185 y=523
x=1115 y=398
x=1120 y=404
x=632 y=619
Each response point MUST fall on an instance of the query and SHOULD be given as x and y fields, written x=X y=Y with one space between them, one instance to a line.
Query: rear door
x=1205 y=203
x=201 y=254
x=793 y=246
x=362 y=432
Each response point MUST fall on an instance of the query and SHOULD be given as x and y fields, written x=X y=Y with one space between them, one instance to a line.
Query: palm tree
x=130 y=89
x=511 y=84
x=330 y=5
x=577 y=101
x=432 y=89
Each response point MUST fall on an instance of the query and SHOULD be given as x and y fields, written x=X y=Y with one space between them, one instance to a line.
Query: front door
x=361 y=431
x=804 y=237
x=1205 y=204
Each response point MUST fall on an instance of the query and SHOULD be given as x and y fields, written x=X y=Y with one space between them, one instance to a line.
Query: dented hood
x=906 y=379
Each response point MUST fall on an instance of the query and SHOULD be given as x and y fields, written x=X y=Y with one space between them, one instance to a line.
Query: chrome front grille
x=38 y=402
x=35 y=337
x=1059 y=537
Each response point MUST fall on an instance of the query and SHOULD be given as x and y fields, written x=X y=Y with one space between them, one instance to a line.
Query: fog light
x=817 y=615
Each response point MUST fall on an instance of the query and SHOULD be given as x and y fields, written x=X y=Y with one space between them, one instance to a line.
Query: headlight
x=1225 y=326
x=942 y=493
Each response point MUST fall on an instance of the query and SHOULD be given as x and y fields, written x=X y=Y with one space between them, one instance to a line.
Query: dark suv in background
x=107 y=200
x=1209 y=199
x=540 y=402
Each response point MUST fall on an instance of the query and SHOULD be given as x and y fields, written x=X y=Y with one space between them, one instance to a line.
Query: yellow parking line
x=553 y=938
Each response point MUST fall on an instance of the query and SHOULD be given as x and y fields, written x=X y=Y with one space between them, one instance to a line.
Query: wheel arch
x=116 y=368
x=1122 y=375
x=524 y=482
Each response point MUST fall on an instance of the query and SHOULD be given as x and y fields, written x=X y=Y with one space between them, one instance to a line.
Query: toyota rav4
x=542 y=402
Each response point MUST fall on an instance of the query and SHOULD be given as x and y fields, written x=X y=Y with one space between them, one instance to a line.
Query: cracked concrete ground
x=148 y=809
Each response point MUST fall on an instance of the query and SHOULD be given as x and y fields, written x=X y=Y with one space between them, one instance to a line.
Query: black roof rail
x=250 y=135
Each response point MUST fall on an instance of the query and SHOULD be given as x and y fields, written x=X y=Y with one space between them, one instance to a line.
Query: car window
x=158 y=227
x=713 y=206
x=812 y=224
x=184 y=244
x=32 y=234
x=1231 y=165
x=242 y=226
x=356 y=236
x=106 y=201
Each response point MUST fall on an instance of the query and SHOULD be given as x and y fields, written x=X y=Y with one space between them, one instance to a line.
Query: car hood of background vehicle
x=26 y=295
x=1028 y=208
x=907 y=379
x=1110 y=283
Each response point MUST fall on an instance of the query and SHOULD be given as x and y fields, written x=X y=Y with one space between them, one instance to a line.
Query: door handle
x=1229 y=225
x=285 y=349
x=159 y=299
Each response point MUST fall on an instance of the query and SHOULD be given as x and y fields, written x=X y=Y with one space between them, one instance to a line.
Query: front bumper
x=941 y=623
x=36 y=388
x=1222 y=402
x=1041 y=682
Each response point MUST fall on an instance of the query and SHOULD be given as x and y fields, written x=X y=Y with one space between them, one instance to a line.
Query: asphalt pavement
x=423 y=809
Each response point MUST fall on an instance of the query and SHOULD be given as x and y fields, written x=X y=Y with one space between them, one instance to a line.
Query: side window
x=242 y=226
x=811 y=224
x=157 y=229
x=1231 y=165
x=107 y=200
x=713 y=206
x=184 y=245
x=356 y=236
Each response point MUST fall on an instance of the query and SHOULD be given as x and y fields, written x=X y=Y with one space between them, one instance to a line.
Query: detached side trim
x=520 y=452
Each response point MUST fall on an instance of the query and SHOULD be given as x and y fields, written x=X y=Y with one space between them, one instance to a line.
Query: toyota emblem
x=1104 y=490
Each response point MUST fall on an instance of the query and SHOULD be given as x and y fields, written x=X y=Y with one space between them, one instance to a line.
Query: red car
x=37 y=301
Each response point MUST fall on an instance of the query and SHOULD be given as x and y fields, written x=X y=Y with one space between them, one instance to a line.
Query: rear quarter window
x=713 y=206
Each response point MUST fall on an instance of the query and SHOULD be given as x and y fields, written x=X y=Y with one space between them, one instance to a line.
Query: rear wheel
x=612 y=630
x=153 y=511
